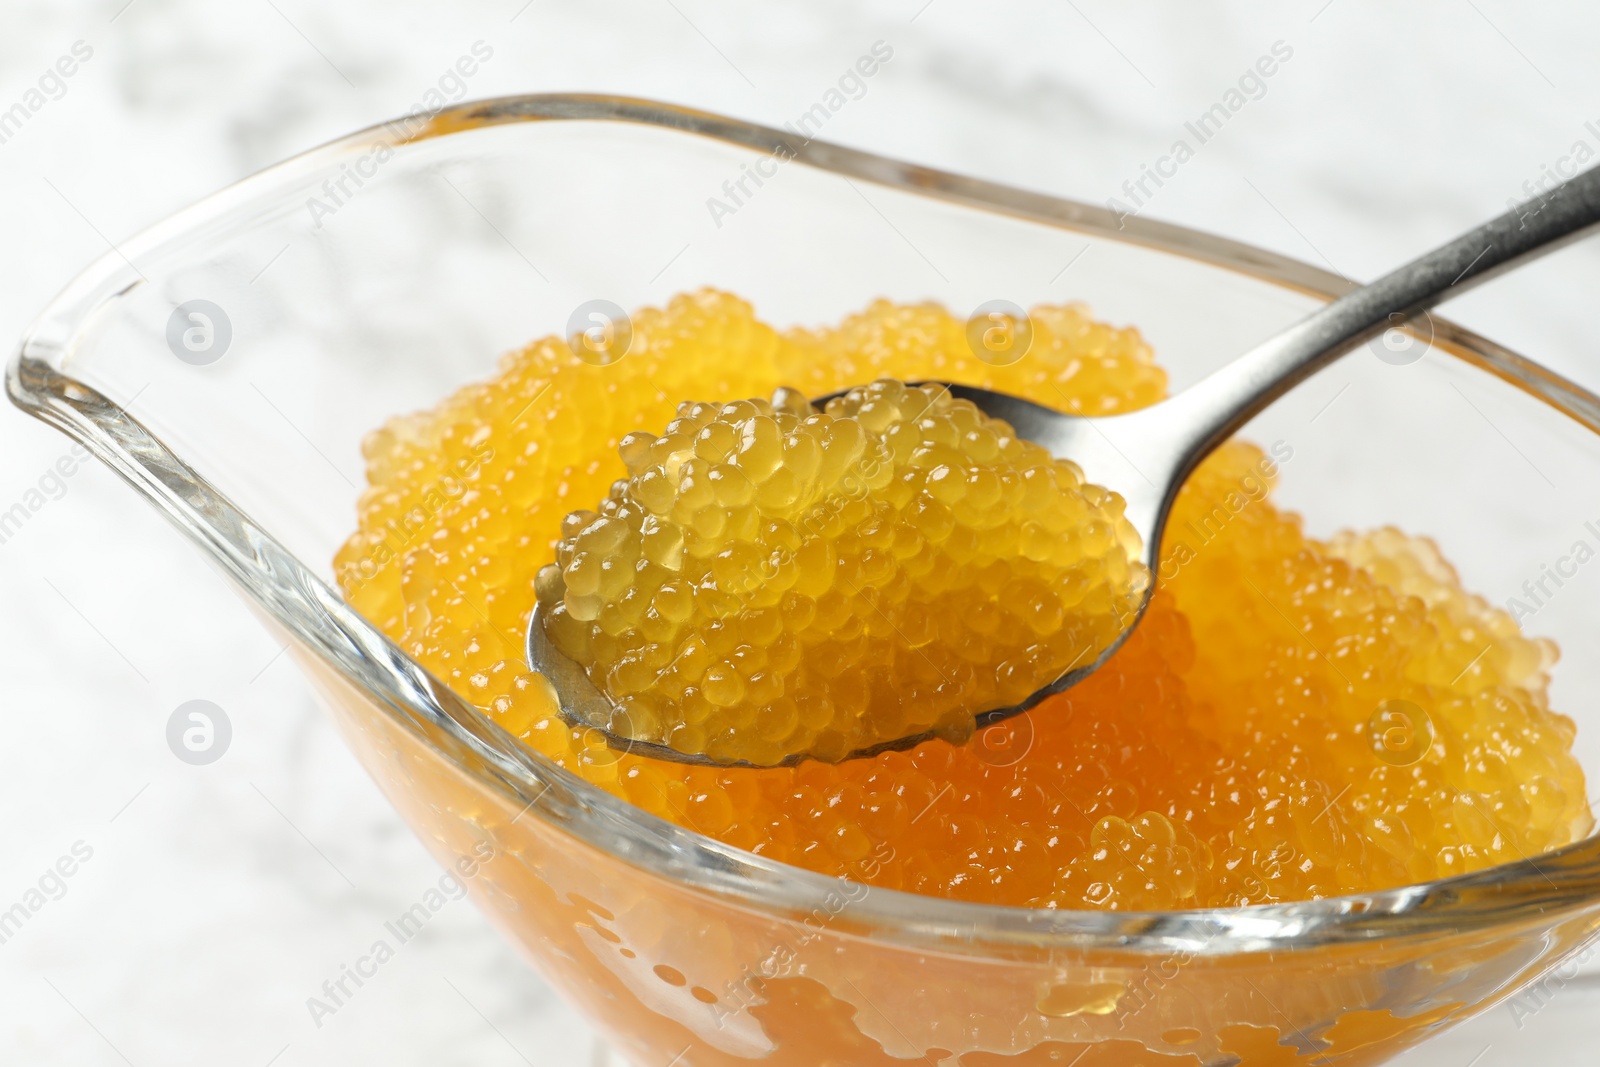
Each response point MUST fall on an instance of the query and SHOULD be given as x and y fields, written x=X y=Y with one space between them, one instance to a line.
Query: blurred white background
x=219 y=898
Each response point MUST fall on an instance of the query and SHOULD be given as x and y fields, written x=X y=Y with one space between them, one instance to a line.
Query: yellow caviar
x=770 y=581
x=1293 y=717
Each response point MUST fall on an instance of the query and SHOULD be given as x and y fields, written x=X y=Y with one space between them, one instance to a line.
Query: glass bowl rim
x=1530 y=891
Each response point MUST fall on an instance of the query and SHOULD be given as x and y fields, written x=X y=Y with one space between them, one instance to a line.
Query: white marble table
x=218 y=898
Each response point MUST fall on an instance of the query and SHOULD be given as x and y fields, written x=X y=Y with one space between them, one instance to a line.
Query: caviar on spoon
x=772 y=579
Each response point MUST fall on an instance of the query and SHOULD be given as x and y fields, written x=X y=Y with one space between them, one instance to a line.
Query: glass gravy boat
x=374 y=274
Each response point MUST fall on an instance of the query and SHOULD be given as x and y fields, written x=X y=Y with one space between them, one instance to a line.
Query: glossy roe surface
x=1293 y=718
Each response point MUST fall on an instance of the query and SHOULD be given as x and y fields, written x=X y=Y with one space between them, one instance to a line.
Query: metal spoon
x=1163 y=443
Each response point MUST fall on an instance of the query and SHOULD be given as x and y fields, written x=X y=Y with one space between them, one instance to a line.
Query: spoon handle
x=1218 y=405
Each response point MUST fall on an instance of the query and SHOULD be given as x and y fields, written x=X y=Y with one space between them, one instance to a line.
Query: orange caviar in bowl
x=1293 y=718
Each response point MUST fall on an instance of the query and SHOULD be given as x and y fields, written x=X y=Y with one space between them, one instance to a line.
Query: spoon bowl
x=1078 y=438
